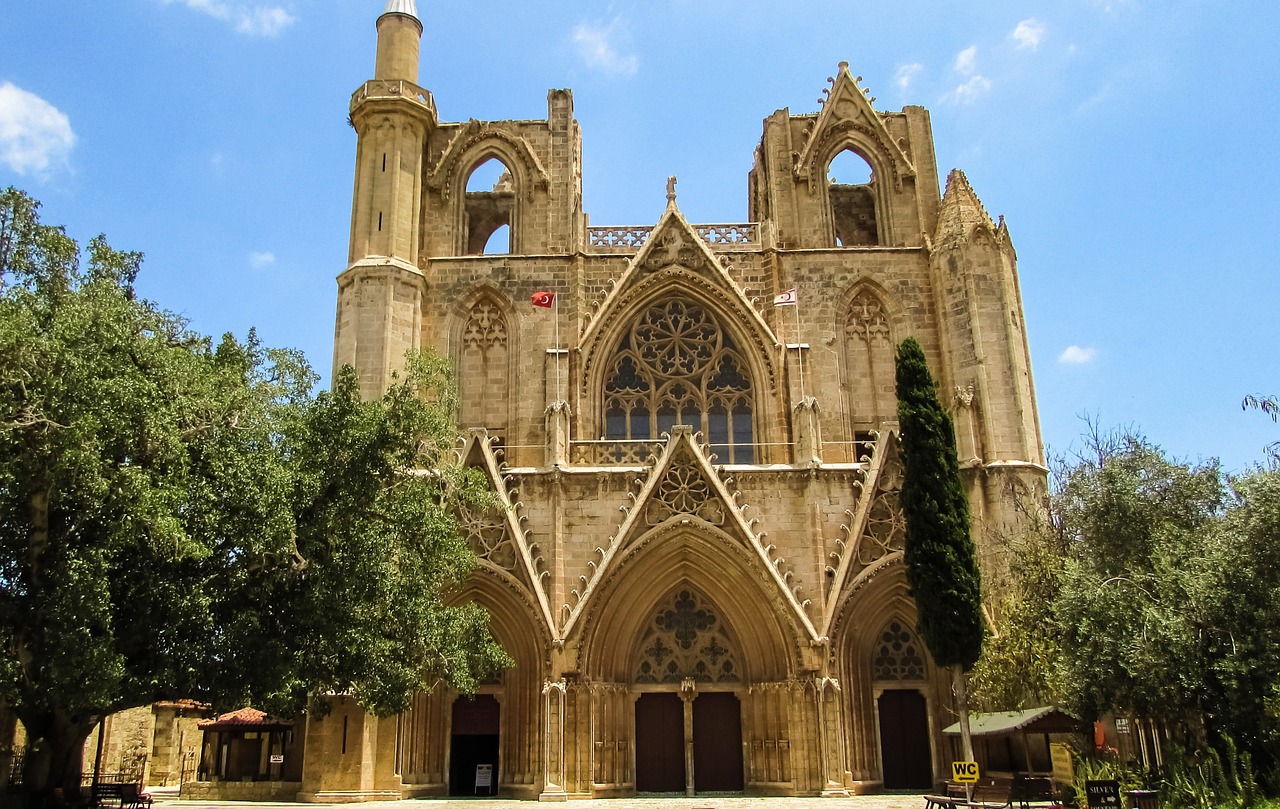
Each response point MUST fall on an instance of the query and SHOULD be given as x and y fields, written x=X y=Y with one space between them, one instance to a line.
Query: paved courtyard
x=893 y=801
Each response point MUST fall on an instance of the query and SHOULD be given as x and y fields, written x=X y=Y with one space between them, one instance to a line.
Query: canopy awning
x=1032 y=720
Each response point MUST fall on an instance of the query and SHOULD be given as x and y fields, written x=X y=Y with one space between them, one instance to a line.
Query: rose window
x=676 y=365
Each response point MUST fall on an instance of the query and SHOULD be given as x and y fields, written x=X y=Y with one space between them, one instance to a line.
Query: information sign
x=1102 y=794
x=1063 y=769
x=964 y=772
x=277 y=758
x=484 y=778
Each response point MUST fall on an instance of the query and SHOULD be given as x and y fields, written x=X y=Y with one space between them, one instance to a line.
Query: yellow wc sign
x=964 y=772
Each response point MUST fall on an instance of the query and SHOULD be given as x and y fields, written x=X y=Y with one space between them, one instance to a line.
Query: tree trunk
x=960 y=684
x=56 y=756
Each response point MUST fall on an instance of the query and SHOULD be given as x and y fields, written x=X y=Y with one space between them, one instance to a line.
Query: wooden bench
x=989 y=795
x=125 y=795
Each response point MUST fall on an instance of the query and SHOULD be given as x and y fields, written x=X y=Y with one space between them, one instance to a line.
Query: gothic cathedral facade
x=699 y=573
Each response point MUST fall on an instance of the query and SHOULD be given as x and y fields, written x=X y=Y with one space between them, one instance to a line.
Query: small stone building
x=246 y=755
x=693 y=426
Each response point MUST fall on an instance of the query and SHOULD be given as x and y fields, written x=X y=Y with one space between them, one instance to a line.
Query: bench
x=121 y=795
x=1020 y=793
x=985 y=796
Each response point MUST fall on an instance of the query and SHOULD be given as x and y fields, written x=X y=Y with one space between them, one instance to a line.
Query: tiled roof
x=245 y=719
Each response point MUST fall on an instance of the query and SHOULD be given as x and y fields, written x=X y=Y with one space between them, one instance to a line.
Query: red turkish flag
x=544 y=299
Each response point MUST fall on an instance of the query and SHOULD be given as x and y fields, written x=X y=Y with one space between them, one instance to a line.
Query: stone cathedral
x=699 y=571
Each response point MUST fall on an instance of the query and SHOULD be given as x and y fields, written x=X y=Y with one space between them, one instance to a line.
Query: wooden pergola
x=1017 y=741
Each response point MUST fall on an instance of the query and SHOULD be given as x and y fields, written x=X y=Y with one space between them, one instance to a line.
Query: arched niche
x=870 y=334
x=482 y=340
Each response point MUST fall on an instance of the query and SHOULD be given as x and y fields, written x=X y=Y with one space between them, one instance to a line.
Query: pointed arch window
x=482 y=367
x=489 y=209
x=851 y=190
x=676 y=365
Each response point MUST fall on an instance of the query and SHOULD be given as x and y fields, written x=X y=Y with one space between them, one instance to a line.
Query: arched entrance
x=903 y=713
x=474 y=745
x=679 y=727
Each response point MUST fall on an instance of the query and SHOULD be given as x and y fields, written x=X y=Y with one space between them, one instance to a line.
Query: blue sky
x=1130 y=144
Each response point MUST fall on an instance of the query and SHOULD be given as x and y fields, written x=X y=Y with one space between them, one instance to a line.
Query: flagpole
x=555 y=313
x=799 y=349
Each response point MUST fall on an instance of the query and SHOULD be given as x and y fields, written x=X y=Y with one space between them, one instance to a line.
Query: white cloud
x=258 y=21
x=907 y=74
x=976 y=85
x=967 y=61
x=35 y=136
x=1075 y=355
x=973 y=89
x=1029 y=33
x=260 y=261
x=597 y=49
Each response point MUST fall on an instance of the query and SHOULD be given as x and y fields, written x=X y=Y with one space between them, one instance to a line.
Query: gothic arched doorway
x=905 y=755
x=473 y=759
x=686 y=645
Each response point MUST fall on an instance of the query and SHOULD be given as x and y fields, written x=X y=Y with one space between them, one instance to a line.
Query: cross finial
x=671 y=189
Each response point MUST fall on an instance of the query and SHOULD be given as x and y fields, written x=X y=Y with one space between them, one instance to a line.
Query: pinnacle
x=961 y=209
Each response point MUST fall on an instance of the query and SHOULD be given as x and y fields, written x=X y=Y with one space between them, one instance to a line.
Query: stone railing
x=630 y=238
x=610 y=453
x=393 y=88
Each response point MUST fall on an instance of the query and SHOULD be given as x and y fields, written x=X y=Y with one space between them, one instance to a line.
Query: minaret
x=379 y=294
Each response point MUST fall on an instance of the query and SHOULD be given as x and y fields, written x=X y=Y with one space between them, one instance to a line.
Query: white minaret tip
x=402 y=7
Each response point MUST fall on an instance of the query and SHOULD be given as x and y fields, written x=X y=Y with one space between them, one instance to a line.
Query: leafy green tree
x=942 y=568
x=184 y=519
x=1154 y=591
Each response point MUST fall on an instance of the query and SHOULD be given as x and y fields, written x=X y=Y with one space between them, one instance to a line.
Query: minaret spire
x=399 y=39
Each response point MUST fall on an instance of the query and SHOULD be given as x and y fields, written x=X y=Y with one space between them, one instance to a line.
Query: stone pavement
x=890 y=801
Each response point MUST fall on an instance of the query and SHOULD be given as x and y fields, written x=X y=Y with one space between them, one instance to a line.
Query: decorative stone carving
x=686 y=641
x=898 y=656
x=486 y=328
x=676 y=365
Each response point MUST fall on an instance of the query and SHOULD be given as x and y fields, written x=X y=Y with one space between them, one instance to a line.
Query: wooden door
x=717 y=743
x=660 y=743
x=904 y=740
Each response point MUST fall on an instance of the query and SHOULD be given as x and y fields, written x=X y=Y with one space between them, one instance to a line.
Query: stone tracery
x=686 y=640
x=898 y=655
x=676 y=365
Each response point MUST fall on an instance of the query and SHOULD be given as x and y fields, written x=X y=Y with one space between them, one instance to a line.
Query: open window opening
x=489 y=204
x=851 y=189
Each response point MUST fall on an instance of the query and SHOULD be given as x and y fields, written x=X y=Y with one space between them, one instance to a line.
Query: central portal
x=660 y=743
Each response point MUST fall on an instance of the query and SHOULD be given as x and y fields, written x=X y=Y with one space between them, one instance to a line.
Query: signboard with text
x=1102 y=794
x=964 y=772
x=1063 y=769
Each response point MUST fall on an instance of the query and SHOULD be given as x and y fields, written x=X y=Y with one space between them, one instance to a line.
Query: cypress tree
x=942 y=567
